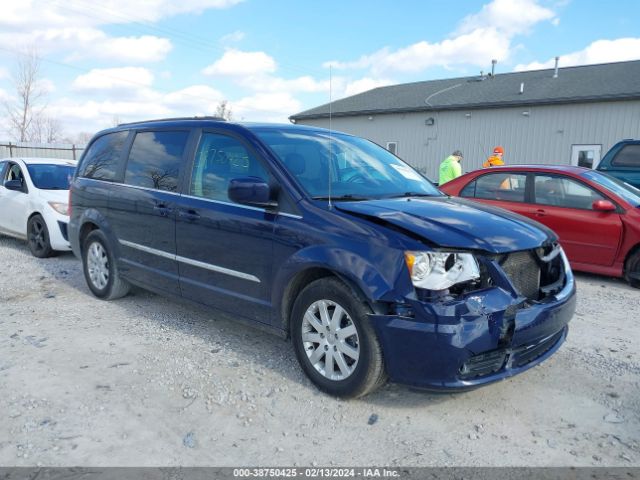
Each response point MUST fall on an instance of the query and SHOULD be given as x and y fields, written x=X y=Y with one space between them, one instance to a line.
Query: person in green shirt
x=450 y=168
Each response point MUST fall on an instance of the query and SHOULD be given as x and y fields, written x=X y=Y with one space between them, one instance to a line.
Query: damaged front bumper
x=474 y=339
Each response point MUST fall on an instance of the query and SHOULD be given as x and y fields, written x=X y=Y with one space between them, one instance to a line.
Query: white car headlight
x=61 y=208
x=441 y=270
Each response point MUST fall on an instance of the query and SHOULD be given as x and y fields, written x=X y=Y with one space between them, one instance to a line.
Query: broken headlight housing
x=441 y=270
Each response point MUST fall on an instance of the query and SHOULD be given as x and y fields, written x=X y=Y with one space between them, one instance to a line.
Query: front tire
x=38 y=237
x=100 y=270
x=334 y=341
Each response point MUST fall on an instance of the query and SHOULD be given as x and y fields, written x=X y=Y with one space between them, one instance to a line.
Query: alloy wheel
x=98 y=265
x=37 y=237
x=330 y=340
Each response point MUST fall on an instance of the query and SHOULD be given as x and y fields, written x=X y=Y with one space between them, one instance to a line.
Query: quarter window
x=564 y=192
x=629 y=156
x=14 y=172
x=102 y=159
x=509 y=187
x=155 y=159
x=219 y=159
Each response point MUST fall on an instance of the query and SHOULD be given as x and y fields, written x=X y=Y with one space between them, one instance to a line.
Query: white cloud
x=46 y=85
x=129 y=78
x=73 y=26
x=511 y=17
x=196 y=99
x=270 y=83
x=238 y=63
x=147 y=48
x=266 y=106
x=600 y=51
x=475 y=48
x=364 y=84
x=233 y=37
x=98 y=114
x=85 y=42
x=35 y=13
x=480 y=37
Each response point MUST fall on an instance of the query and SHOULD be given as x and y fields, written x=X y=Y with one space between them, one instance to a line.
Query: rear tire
x=100 y=270
x=38 y=237
x=632 y=265
x=334 y=341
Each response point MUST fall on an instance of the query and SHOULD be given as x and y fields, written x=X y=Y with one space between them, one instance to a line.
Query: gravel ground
x=149 y=381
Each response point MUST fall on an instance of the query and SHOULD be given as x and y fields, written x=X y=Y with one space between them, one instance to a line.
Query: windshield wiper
x=411 y=194
x=346 y=197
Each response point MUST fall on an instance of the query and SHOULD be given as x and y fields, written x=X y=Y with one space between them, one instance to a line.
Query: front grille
x=528 y=354
x=483 y=364
x=524 y=272
x=491 y=362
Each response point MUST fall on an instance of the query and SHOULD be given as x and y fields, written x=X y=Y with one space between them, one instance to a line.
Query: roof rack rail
x=219 y=119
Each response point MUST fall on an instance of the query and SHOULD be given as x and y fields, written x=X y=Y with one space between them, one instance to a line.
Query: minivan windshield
x=358 y=169
x=51 y=177
x=628 y=192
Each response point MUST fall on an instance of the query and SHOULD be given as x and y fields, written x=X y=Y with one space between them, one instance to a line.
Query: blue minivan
x=324 y=238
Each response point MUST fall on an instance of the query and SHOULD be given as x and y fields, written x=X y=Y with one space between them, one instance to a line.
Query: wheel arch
x=311 y=273
x=31 y=215
x=86 y=228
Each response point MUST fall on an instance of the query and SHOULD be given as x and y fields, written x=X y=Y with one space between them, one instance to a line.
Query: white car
x=34 y=195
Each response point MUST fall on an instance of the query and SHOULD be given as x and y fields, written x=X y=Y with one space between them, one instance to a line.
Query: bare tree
x=21 y=112
x=223 y=110
x=45 y=129
x=81 y=138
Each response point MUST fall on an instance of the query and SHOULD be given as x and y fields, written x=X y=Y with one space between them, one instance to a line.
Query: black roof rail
x=219 y=119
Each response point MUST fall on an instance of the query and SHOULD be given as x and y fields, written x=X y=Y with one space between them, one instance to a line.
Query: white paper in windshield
x=407 y=172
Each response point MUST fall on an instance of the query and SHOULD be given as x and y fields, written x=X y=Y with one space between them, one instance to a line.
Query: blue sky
x=124 y=60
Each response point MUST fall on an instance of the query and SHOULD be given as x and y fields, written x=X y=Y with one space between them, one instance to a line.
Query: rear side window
x=629 y=156
x=155 y=159
x=219 y=159
x=508 y=187
x=101 y=160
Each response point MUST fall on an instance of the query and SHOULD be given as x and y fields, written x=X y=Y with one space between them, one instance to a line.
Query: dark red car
x=596 y=216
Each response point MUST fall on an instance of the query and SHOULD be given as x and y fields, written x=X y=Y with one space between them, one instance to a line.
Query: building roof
x=589 y=83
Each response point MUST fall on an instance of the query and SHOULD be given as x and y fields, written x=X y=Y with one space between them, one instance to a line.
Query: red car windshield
x=628 y=192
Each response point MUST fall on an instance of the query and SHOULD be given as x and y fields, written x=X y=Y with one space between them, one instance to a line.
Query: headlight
x=61 y=208
x=441 y=270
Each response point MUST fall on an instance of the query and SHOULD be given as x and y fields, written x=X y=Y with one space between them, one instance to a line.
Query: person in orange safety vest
x=495 y=159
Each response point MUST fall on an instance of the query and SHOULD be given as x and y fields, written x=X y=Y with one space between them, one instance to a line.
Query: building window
x=392 y=147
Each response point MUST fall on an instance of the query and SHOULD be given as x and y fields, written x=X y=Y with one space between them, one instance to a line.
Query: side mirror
x=603 y=206
x=13 y=185
x=252 y=191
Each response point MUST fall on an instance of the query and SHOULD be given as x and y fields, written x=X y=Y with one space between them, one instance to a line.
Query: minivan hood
x=455 y=223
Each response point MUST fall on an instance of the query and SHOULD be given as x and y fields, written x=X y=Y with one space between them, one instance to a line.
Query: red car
x=596 y=216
